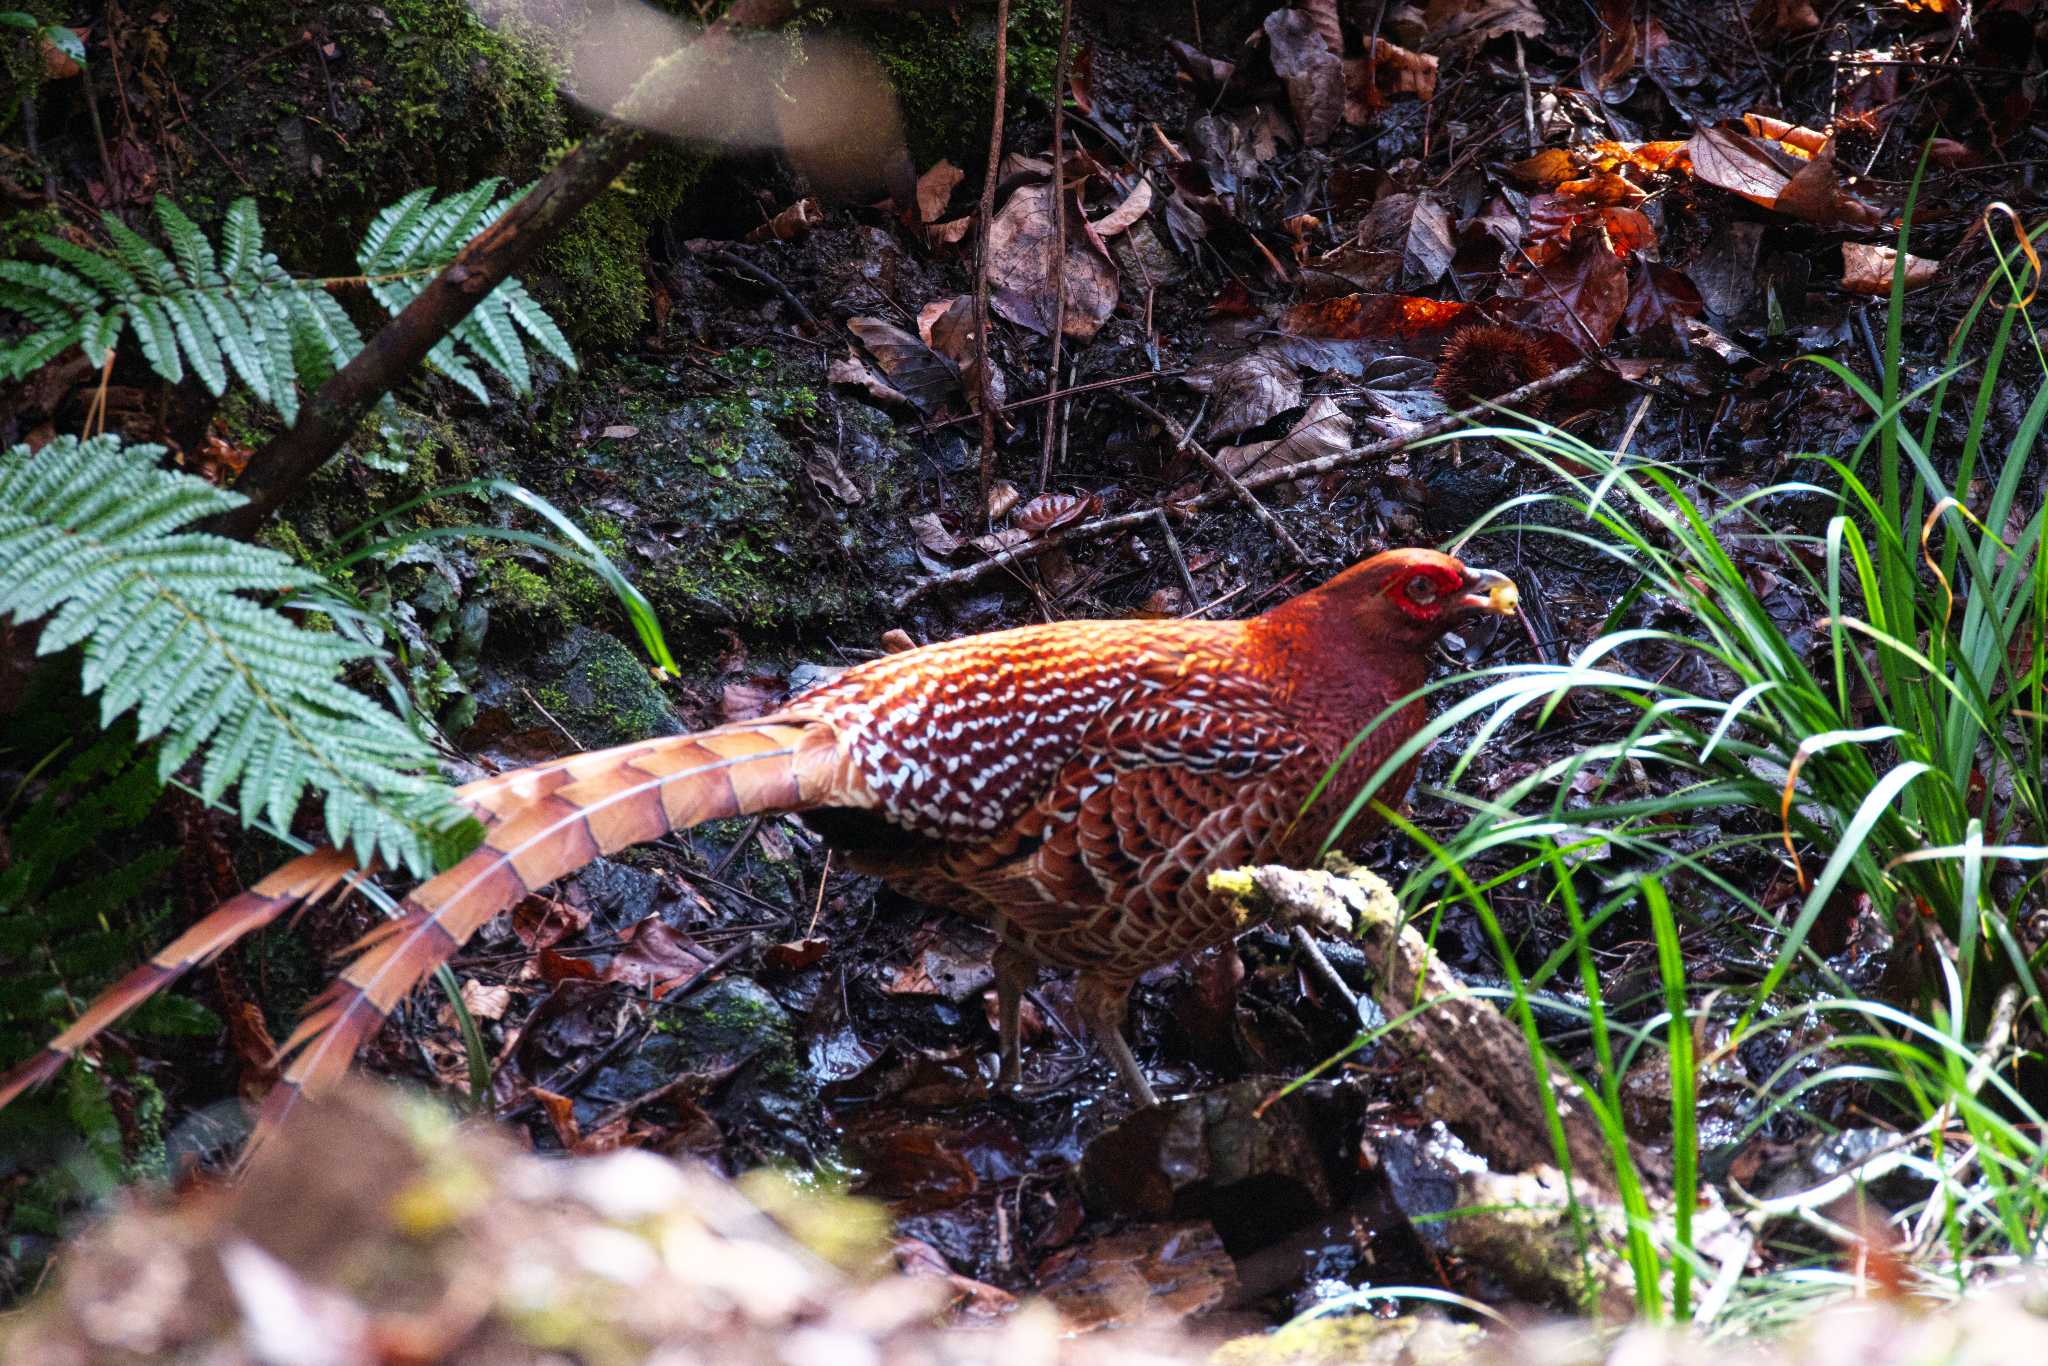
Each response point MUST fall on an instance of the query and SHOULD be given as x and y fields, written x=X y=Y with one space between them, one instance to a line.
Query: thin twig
x=1092 y=385
x=1186 y=441
x=1300 y=469
x=1180 y=561
x=1059 y=237
x=735 y=261
x=1528 y=97
x=984 y=400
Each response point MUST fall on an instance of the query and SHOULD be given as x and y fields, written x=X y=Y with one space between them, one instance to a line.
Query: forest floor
x=1280 y=249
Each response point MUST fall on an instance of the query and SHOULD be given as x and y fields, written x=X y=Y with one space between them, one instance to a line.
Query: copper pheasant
x=1074 y=783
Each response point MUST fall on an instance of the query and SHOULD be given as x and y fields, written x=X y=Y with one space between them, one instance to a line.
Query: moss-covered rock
x=601 y=692
x=593 y=278
x=943 y=65
x=326 y=113
x=730 y=524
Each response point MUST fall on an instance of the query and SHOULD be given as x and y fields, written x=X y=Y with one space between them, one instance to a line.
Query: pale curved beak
x=1489 y=591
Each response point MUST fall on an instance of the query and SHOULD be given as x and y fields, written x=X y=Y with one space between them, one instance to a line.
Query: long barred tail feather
x=301 y=882
x=543 y=822
x=556 y=821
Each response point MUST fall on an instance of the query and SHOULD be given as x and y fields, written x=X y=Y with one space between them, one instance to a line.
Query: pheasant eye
x=1421 y=590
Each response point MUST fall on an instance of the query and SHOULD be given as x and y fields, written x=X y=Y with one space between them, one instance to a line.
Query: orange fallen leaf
x=1867 y=269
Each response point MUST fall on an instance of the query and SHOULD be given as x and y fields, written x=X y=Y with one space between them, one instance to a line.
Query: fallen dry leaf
x=1387 y=70
x=1050 y=510
x=794 y=954
x=931 y=533
x=1590 y=284
x=485 y=1003
x=1868 y=269
x=1207 y=75
x=1469 y=23
x=1020 y=247
x=1732 y=160
x=792 y=223
x=935 y=189
x=1415 y=230
x=1002 y=496
x=950 y=330
x=1659 y=299
x=1399 y=318
x=1135 y=206
x=857 y=372
x=917 y=371
x=1323 y=430
x=1775 y=18
x=1799 y=139
x=1313 y=75
x=1616 y=52
x=1246 y=391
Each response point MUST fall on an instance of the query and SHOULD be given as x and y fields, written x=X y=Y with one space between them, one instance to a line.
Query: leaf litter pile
x=1268 y=249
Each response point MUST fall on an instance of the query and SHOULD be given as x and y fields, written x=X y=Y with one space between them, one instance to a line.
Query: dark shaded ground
x=776 y=517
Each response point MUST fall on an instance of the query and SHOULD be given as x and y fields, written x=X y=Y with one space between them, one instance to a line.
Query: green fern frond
x=90 y=534
x=235 y=310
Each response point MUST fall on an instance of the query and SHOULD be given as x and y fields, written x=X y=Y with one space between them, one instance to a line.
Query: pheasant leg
x=1102 y=1002
x=1016 y=972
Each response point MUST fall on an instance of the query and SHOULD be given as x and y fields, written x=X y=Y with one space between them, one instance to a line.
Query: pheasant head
x=1399 y=601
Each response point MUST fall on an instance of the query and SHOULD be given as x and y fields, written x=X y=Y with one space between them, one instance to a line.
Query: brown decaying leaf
x=1470 y=23
x=1616 y=54
x=1659 y=299
x=794 y=954
x=948 y=325
x=857 y=372
x=1730 y=159
x=1797 y=138
x=931 y=533
x=1323 y=14
x=935 y=190
x=1050 y=510
x=485 y=1002
x=656 y=958
x=792 y=223
x=1376 y=317
x=923 y=376
x=1246 y=391
x=541 y=921
x=1081 y=78
x=1208 y=75
x=1323 y=430
x=1136 y=205
x=1002 y=496
x=1867 y=269
x=1313 y=75
x=746 y=698
x=1020 y=247
x=1387 y=70
x=1774 y=18
x=1416 y=231
x=1590 y=284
